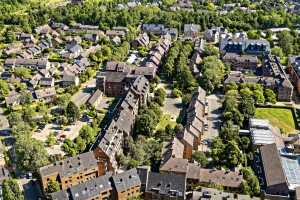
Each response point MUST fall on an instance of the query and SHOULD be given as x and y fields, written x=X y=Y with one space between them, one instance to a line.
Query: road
x=213 y=120
x=84 y=92
x=3 y=120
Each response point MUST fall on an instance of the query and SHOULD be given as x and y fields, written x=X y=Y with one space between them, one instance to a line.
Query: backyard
x=278 y=117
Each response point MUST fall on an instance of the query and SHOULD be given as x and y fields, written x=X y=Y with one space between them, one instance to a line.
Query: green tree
x=23 y=72
x=277 y=51
x=30 y=153
x=229 y=131
x=53 y=186
x=217 y=149
x=51 y=140
x=210 y=50
x=247 y=107
x=213 y=72
x=4 y=88
x=200 y=157
x=270 y=96
x=259 y=96
x=145 y=124
x=11 y=190
x=21 y=128
x=14 y=118
x=72 y=112
x=285 y=41
x=232 y=154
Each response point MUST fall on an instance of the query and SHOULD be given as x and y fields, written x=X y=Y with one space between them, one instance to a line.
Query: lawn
x=279 y=117
x=164 y=121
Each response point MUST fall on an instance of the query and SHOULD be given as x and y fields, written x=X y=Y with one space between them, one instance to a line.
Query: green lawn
x=164 y=121
x=279 y=117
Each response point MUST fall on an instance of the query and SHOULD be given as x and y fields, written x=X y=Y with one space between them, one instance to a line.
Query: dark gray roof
x=273 y=170
x=95 y=97
x=126 y=180
x=91 y=188
x=167 y=184
x=111 y=76
x=71 y=165
x=60 y=195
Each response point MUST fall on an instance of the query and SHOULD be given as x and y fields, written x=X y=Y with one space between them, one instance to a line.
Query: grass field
x=164 y=121
x=279 y=117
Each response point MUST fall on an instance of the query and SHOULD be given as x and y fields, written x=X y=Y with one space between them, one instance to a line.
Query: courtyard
x=278 y=117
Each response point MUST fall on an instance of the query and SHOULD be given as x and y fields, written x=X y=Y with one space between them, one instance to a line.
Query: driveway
x=213 y=120
x=84 y=92
x=3 y=120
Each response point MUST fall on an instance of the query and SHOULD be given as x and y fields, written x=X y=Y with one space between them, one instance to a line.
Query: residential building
x=243 y=63
x=165 y=186
x=110 y=141
x=191 y=31
x=12 y=99
x=213 y=34
x=126 y=184
x=245 y=46
x=172 y=149
x=275 y=179
x=294 y=71
x=141 y=41
x=71 y=171
x=69 y=79
x=156 y=29
x=46 y=94
x=95 y=99
x=97 y=188
x=30 y=63
x=46 y=82
x=261 y=132
x=196 y=120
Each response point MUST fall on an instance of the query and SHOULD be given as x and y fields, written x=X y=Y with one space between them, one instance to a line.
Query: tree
x=217 y=149
x=88 y=134
x=63 y=100
x=51 y=140
x=251 y=185
x=72 y=112
x=210 y=50
x=14 y=118
x=145 y=124
x=213 y=72
x=277 y=51
x=21 y=128
x=247 y=107
x=285 y=41
x=23 y=72
x=4 y=88
x=53 y=186
x=200 y=157
x=11 y=190
x=270 y=96
x=232 y=154
x=69 y=147
x=9 y=36
x=229 y=131
x=259 y=96
x=30 y=153
x=159 y=96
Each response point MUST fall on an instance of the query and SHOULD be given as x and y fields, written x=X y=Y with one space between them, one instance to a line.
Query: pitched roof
x=177 y=165
x=126 y=180
x=166 y=184
x=273 y=170
x=172 y=149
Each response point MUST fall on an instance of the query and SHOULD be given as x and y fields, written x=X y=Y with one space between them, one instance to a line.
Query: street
x=84 y=92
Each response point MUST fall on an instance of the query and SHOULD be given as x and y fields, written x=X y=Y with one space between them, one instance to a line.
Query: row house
x=117 y=187
x=71 y=171
x=109 y=142
x=191 y=31
x=141 y=41
x=25 y=37
x=30 y=63
x=243 y=63
x=214 y=34
x=294 y=71
x=46 y=94
x=245 y=46
x=196 y=121
x=196 y=59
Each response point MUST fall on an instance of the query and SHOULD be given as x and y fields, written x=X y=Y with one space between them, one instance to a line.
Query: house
x=12 y=99
x=141 y=41
x=156 y=29
x=24 y=37
x=114 y=33
x=175 y=166
x=95 y=99
x=47 y=94
x=213 y=34
x=69 y=79
x=165 y=186
x=261 y=132
x=245 y=46
x=121 y=186
x=110 y=140
x=30 y=63
x=275 y=179
x=96 y=188
x=46 y=82
x=126 y=185
x=294 y=71
x=172 y=149
x=91 y=37
x=191 y=136
x=243 y=63
x=191 y=31
x=71 y=171
x=73 y=50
